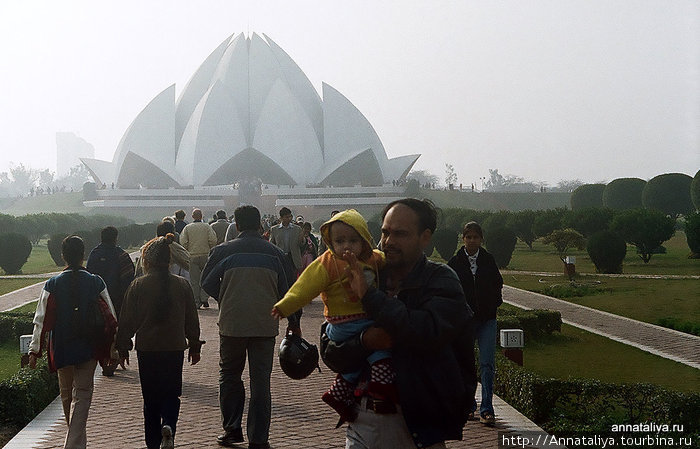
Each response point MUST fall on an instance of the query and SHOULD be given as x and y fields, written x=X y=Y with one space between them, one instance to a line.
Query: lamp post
x=483 y=178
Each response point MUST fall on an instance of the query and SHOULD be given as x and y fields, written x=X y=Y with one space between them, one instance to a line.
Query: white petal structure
x=249 y=112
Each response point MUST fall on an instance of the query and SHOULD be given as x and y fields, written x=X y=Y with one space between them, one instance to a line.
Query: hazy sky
x=546 y=89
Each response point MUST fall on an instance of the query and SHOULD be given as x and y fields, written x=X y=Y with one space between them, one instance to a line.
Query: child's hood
x=352 y=218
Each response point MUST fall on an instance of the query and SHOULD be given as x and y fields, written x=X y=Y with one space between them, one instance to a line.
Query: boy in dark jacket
x=482 y=284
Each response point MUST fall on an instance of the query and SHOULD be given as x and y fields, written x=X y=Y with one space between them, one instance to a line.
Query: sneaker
x=487 y=419
x=167 y=441
x=230 y=438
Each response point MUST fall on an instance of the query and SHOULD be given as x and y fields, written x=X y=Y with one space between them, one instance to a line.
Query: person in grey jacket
x=247 y=276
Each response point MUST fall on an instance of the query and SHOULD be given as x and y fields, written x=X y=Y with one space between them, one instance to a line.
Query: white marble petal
x=345 y=130
x=286 y=135
x=102 y=171
x=196 y=87
x=300 y=86
x=152 y=134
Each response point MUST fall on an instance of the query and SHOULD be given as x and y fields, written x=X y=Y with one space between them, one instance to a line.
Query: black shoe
x=258 y=445
x=231 y=437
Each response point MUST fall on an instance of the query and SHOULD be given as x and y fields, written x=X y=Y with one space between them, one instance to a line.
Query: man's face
x=402 y=243
x=286 y=219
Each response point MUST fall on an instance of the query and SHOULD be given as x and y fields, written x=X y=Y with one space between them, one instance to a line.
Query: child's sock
x=381 y=381
x=340 y=397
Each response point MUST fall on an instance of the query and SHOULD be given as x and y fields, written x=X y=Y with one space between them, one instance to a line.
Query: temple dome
x=249 y=111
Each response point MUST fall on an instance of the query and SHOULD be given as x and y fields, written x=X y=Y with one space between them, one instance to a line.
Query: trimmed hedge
x=14 y=251
x=14 y=324
x=534 y=323
x=607 y=251
x=27 y=393
x=572 y=407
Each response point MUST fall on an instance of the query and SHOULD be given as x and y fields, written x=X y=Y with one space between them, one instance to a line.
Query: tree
x=607 y=251
x=568 y=185
x=589 y=220
x=646 y=229
x=587 y=195
x=423 y=177
x=499 y=182
x=692 y=234
x=14 y=252
x=564 y=240
x=501 y=242
x=695 y=190
x=521 y=223
x=669 y=193
x=445 y=241
x=547 y=221
x=624 y=193
x=450 y=175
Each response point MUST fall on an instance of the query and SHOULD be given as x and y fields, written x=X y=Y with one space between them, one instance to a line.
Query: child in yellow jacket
x=345 y=231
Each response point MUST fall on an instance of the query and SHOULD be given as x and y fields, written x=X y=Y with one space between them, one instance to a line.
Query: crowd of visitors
x=400 y=329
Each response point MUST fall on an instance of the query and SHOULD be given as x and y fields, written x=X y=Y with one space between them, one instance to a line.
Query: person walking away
x=420 y=312
x=115 y=267
x=198 y=238
x=289 y=237
x=309 y=248
x=64 y=323
x=346 y=232
x=220 y=226
x=247 y=276
x=180 y=222
x=482 y=283
x=159 y=308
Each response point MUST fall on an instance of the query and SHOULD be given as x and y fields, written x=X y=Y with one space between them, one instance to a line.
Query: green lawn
x=40 y=261
x=9 y=358
x=10 y=285
x=576 y=353
x=544 y=258
x=641 y=299
x=29 y=307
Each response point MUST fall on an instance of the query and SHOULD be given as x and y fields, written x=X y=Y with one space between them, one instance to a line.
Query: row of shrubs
x=671 y=193
x=38 y=226
x=569 y=408
x=603 y=232
x=15 y=248
x=28 y=391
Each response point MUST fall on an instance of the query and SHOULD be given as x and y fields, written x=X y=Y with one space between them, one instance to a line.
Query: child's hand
x=353 y=271
x=276 y=313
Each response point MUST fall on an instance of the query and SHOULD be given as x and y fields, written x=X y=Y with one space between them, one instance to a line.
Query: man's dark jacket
x=115 y=267
x=249 y=246
x=483 y=292
x=425 y=320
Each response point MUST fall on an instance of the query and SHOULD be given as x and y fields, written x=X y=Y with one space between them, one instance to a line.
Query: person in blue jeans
x=482 y=283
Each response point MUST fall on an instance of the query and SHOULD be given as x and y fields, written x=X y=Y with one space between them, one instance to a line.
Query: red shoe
x=345 y=410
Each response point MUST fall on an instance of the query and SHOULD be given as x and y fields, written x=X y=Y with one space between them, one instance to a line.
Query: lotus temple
x=249 y=127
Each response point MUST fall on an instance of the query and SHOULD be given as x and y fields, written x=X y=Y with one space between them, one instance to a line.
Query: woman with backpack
x=75 y=321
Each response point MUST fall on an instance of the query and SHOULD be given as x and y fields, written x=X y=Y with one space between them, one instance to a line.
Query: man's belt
x=379 y=406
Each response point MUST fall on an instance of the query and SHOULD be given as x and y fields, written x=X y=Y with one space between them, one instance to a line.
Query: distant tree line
x=20 y=181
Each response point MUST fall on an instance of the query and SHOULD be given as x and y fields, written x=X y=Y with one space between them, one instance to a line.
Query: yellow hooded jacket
x=326 y=276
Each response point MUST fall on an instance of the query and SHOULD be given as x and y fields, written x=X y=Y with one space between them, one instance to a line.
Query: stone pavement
x=668 y=343
x=299 y=418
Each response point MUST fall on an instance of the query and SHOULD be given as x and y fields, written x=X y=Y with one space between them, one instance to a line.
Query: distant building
x=69 y=150
x=249 y=124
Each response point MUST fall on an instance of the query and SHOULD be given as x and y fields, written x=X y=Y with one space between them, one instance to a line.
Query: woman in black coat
x=482 y=284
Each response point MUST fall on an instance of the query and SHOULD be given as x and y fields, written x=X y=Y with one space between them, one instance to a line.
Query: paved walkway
x=299 y=418
x=668 y=343
x=608 y=275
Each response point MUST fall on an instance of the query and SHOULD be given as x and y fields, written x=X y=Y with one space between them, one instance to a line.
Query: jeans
x=160 y=373
x=485 y=333
x=342 y=331
x=260 y=352
x=76 y=384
